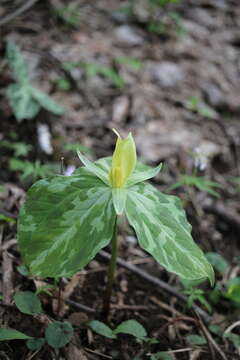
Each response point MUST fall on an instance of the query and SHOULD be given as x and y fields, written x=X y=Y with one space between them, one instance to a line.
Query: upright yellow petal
x=123 y=161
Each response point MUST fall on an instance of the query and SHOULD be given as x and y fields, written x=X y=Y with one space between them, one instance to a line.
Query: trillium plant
x=66 y=220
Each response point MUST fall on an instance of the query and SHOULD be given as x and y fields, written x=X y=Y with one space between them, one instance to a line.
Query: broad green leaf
x=131 y=327
x=28 y=302
x=46 y=102
x=102 y=329
x=12 y=334
x=94 y=168
x=162 y=230
x=217 y=261
x=21 y=101
x=58 y=334
x=119 y=196
x=65 y=221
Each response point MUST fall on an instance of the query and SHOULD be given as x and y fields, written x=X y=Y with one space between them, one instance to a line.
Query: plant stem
x=110 y=274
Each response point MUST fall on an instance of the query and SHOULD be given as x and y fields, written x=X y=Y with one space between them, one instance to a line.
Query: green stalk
x=110 y=274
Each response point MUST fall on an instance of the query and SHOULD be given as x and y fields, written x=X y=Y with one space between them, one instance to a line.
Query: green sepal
x=94 y=168
x=143 y=173
x=64 y=222
x=162 y=230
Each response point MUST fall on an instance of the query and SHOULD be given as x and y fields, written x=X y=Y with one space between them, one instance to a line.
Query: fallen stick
x=154 y=280
x=16 y=13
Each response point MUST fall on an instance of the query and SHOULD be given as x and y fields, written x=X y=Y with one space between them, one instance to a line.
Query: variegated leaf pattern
x=162 y=230
x=65 y=221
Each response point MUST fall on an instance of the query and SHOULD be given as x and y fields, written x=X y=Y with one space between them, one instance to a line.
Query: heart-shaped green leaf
x=65 y=221
x=162 y=230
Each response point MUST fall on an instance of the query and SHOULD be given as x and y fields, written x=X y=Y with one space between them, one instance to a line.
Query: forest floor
x=170 y=75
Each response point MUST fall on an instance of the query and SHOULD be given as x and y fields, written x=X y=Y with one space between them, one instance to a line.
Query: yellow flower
x=123 y=161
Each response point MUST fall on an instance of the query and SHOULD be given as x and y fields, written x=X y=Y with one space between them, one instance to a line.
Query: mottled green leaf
x=21 y=101
x=131 y=327
x=12 y=334
x=28 y=302
x=58 y=334
x=119 y=199
x=17 y=63
x=65 y=221
x=162 y=230
x=102 y=329
x=46 y=102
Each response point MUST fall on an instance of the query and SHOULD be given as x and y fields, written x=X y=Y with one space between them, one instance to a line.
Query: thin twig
x=80 y=306
x=26 y=5
x=211 y=342
x=154 y=280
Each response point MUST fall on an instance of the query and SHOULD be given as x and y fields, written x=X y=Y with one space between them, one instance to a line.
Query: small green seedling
x=70 y=15
x=66 y=220
x=57 y=333
x=130 y=327
x=199 y=182
x=18 y=148
x=195 y=104
x=92 y=70
x=25 y=100
x=30 y=170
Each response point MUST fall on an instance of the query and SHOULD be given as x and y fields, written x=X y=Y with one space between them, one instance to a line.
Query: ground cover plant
x=67 y=220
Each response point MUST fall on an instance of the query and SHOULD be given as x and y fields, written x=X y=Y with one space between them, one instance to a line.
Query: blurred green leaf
x=134 y=64
x=75 y=147
x=196 y=340
x=233 y=290
x=131 y=327
x=46 y=102
x=162 y=355
x=102 y=329
x=59 y=334
x=234 y=338
x=35 y=344
x=107 y=72
x=23 y=270
x=12 y=334
x=217 y=261
x=70 y=14
x=200 y=182
x=17 y=63
x=24 y=99
x=28 y=302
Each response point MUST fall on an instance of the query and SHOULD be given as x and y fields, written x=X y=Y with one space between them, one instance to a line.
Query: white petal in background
x=44 y=139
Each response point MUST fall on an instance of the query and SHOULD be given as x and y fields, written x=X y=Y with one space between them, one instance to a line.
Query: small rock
x=214 y=95
x=128 y=36
x=166 y=74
